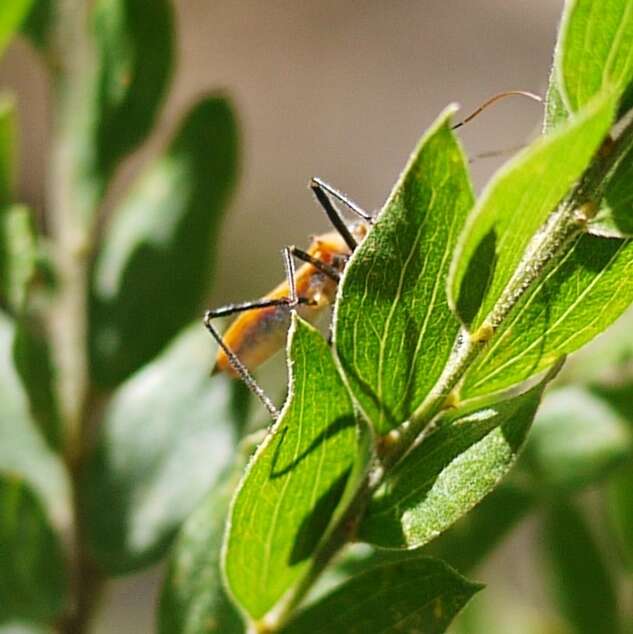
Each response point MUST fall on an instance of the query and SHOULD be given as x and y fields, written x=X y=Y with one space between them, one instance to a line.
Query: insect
x=260 y=329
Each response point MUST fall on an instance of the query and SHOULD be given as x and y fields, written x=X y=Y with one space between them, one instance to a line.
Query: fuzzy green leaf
x=555 y=109
x=295 y=480
x=581 y=580
x=595 y=50
x=615 y=216
x=8 y=140
x=33 y=583
x=416 y=595
x=193 y=600
x=134 y=42
x=576 y=439
x=154 y=267
x=165 y=437
x=620 y=506
x=515 y=205
x=449 y=472
x=468 y=542
x=584 y=293
x=393 y=327
x=12 y=12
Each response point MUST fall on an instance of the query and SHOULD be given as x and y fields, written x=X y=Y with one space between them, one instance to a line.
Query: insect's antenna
x=350 y=204
x=241 y=369
x=333 y=214
x=494 y=99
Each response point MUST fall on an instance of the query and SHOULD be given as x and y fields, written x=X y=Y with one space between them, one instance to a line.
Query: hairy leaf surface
x=595 y=50
x=295 y=480
x=393 y=328
x=584 y=293
x=515 y=204
x=417 y=595
x=449 y=472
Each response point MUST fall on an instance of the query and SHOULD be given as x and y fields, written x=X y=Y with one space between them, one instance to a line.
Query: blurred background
x=341 y=90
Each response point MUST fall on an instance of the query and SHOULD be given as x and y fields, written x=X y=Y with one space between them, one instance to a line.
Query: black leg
x=241 y=369
x=351 y=205
x=326 y=269
x=494 y=99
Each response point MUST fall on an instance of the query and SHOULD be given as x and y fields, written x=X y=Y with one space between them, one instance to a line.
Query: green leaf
x=585 y=292
x=19 y=255
x=515 y=204
x=23 y=451
x=419 y=595
x=295 y=480
x=34 y=364
x=193 y=600
x=577 y=439
x=164 y=439
x=595 y=50
x=615 y=216
x=469 y=541
x=449 y=472
x=155 y=263
x=33 y=583
x=12 y=12
x=581 y=581
x=620 y=505
x=393 y=327
x=8 y=143
x=555 y=109
x=38 y=23
x=134 y=42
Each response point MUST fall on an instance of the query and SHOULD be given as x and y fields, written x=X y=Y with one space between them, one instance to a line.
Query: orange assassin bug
x=260 y=329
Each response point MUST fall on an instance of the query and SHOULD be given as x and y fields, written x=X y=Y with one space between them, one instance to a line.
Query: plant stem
x=71 y=208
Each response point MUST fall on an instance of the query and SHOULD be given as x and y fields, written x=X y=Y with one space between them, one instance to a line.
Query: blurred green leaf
x=12 y=12
x=155 y=264
x=584 y=293
x=620 y=505
x=615 y=216
x=469 y=541
x=515 y=205
x=294 y=482
x=33 y=362
x=594 y=50
x=449 y=472
x=193 y=600
x=165 y=437
x=582 y=584
x=23 y=451
x=33 y=583
x=38 y=22
x=394 y=329
x=18 y=255
x=576 y=439
x=22 y=627
x=8 y=142
x=134 y=42
x=419 y=595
